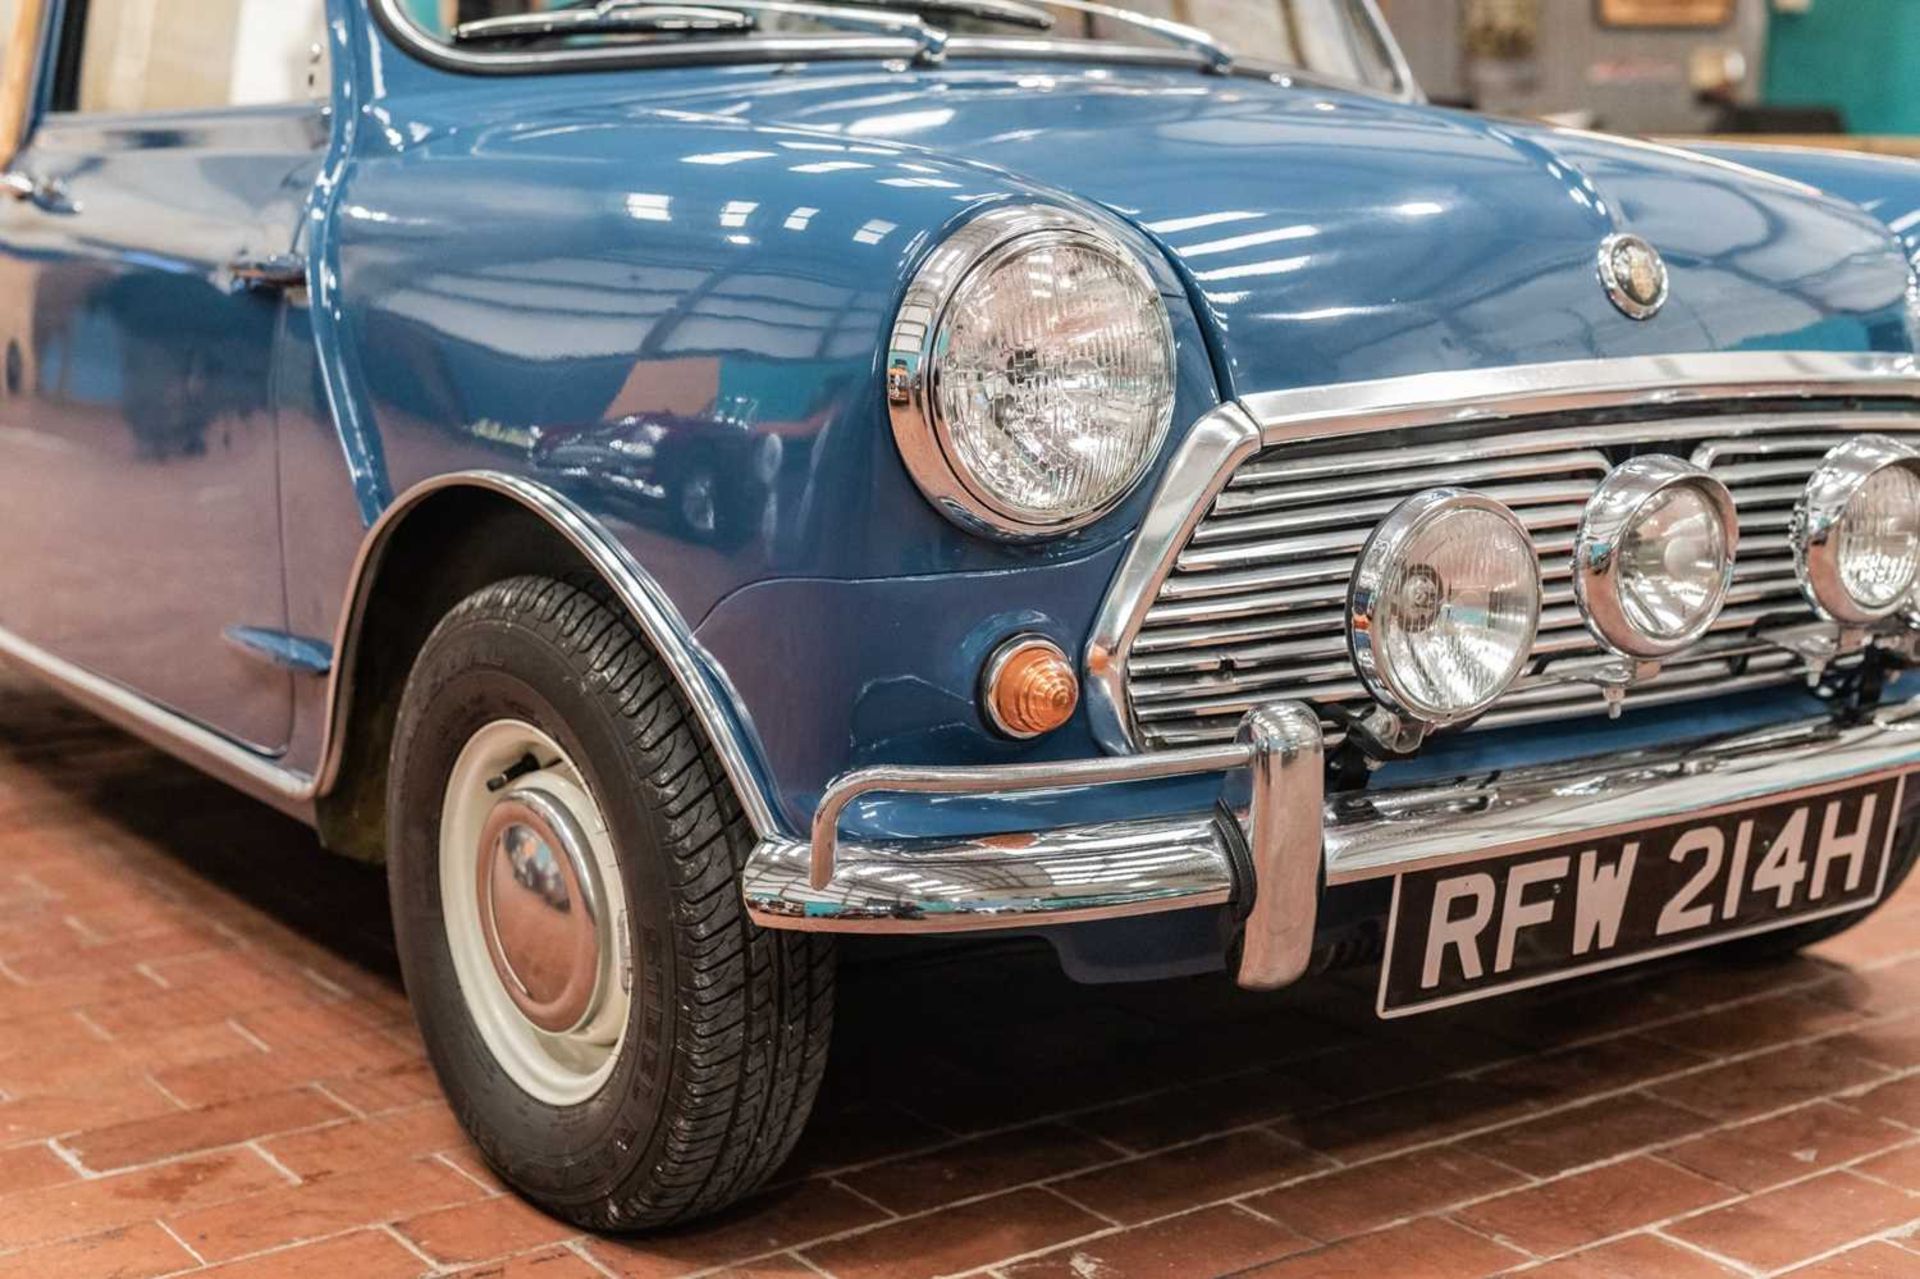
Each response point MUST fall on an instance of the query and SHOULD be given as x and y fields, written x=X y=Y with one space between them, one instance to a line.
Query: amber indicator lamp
x=1029 y=687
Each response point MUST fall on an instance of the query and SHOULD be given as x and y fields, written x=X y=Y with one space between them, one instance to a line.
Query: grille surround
x=1542 y=436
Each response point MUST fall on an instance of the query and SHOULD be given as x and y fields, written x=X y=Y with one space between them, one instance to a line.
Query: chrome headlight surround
x=1841 y=477
x=921 y=429
x=1385 y=553
x=1612 y=514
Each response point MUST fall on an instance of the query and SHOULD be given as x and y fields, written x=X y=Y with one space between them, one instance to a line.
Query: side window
x=168 y=55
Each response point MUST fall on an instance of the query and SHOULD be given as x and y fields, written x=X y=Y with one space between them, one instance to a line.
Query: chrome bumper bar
x=1291 y=841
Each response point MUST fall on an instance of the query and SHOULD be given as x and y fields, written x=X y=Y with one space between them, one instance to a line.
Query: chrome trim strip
x=222 y=758
x=280 y=649
x=1351 y=408
x=1076 y=874
x=1409 y=86
x=1233 y=432
x=649 y=605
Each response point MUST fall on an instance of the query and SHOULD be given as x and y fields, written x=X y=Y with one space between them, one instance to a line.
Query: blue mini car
x=678 y=480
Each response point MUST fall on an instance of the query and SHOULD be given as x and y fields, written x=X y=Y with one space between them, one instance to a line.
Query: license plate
x=1470 y=930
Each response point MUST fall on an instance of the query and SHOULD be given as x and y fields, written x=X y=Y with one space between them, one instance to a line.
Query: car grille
x=1253 y=608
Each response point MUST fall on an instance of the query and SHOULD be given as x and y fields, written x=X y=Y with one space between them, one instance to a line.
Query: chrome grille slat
x=1253 y=609
x=1208 y=570
x=1341 y=486
x=1317 y=545
x=1261 y=523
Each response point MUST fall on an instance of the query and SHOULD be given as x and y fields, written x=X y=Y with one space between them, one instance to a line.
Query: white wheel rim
x=535 y=912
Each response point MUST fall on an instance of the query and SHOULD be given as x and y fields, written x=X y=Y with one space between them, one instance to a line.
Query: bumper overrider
x=1291 y=842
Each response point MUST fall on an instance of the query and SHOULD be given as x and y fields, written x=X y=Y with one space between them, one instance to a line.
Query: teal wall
x=1862 y=56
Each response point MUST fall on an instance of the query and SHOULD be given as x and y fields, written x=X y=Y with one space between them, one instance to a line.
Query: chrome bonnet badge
x=1635 y=275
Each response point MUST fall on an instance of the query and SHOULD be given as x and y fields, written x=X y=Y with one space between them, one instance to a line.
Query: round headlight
x=1856 y=530
x=1443 y=605
x=1031 y=373
x=1654 y=556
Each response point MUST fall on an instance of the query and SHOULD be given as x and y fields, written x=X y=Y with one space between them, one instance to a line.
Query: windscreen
x=1337 y=39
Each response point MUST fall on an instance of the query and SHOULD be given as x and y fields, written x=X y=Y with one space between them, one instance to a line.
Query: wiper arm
x=603 y=18
x=639 y=15
x=1009 y=12
x=1218 y=56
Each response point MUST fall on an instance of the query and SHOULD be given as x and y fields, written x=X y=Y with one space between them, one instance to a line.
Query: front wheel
x=625 y=1048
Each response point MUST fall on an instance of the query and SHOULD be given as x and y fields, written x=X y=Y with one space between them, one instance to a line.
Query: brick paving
x=207 y=1066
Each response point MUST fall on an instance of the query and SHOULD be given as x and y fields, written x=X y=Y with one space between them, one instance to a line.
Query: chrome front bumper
x=1291 y=840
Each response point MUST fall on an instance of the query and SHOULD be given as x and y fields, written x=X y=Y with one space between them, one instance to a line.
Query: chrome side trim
x=287 y=652
x=1232 y=433
x=649 y=605
x=222 y=758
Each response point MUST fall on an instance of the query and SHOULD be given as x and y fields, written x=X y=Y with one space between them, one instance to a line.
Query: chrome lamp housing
x=1653 y=559
x=1856 y=531
x=1442 y=608
x=1030 y=375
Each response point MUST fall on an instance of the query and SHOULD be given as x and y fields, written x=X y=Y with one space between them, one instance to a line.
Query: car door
x=145 y=257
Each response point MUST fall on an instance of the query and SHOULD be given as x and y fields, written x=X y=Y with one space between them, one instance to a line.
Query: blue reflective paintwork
x=143 y=513
x=664 y=293
x=1885 y=186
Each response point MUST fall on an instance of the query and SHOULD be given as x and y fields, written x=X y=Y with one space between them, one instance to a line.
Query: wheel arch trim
x=717 y=708
x=715 y=705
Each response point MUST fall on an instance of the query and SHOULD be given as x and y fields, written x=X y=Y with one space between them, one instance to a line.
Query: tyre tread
x=755 y=1006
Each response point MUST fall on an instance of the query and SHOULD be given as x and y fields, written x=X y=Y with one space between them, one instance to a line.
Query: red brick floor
x=206 y=1063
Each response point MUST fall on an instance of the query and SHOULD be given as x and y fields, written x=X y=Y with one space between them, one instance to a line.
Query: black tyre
x=625 y=1048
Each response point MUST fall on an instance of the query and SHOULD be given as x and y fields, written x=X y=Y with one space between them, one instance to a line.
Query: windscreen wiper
x=1010 y=13
x=1014 y=13
x=586 y=17
x=601 y=19
x=628 y=16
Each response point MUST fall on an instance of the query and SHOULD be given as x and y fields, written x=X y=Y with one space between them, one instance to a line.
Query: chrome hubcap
x=539 y=911
x=533 y=904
